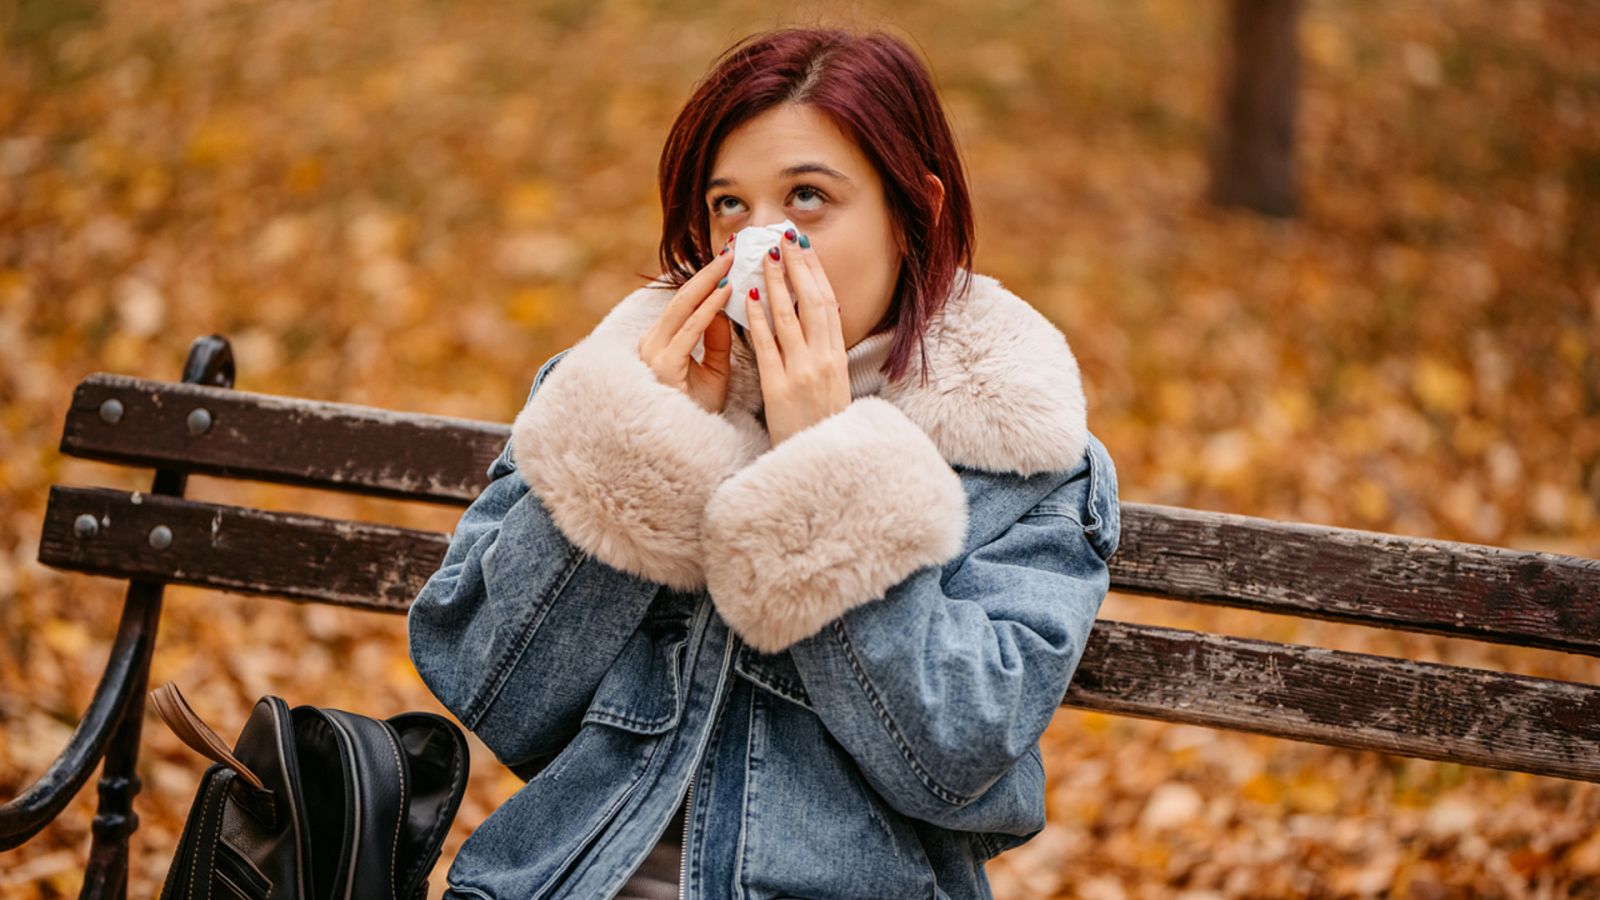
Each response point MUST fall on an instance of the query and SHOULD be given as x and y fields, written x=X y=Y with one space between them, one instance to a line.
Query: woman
x=786 y=618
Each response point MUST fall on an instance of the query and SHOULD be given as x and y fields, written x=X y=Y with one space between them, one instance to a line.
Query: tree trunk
x=1252 y=155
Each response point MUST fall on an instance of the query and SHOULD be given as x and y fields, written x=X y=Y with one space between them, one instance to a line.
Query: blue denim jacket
x=888 y=752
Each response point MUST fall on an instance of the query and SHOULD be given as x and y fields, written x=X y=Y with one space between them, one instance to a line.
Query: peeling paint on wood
x=1357 y=700
x=296 y=556
x=1369 y=578
x=288 y=440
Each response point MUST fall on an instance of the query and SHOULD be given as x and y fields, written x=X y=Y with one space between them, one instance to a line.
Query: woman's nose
x=768 y=216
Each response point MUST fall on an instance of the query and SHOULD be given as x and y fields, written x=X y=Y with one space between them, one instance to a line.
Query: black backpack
x=316 y=803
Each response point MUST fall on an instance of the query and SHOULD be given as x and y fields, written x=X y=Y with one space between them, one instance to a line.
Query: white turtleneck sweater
x=657 y=877
x=865 y=358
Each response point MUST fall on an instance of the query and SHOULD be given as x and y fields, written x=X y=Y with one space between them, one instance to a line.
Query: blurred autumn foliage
x=414 y=204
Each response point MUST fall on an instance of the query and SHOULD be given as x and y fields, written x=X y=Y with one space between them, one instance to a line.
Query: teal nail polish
x=805 y=242
x=723 y=282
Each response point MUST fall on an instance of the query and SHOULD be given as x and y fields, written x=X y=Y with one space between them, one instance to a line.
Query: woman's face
x=792 y=162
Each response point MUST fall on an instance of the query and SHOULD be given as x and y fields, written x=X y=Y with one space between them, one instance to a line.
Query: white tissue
x=749 y=246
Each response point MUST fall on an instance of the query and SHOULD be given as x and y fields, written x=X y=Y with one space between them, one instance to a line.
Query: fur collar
x=1003 y=394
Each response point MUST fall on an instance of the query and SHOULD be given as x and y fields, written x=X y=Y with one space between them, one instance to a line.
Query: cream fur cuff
x=625 y=464
x=828 y=520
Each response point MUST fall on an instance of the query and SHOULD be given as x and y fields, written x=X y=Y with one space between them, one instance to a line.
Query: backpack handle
x=192 y=730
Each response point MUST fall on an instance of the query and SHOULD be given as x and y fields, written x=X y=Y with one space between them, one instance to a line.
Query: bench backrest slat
x=1417 y=584
x=300 y=557
x=264 y=437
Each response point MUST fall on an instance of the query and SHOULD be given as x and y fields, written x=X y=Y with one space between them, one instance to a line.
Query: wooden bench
x=1343 y=699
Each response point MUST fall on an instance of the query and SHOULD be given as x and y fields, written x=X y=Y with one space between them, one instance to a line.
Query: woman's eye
x=807 y=189
x=809 y=193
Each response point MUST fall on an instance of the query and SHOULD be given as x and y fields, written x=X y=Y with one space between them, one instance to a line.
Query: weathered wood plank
x=1343 y=699
x=1370 y=578
x=301 y=557
x=266 y=437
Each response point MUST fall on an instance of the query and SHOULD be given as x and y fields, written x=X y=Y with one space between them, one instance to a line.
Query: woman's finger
x=769 y=361
x=825 y=295
x=687 y=299
x=791 y=338
x=814 y=264
x=699 y=320
x=810 y=302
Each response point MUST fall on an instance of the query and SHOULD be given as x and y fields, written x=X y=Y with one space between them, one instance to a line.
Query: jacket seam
x=610 y=718
x=1094 y=492
x=1052 y=509
x=777 y=687
x=901 y=743
x=503 y=667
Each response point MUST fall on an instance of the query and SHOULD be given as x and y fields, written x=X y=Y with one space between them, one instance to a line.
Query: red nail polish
x=773 y=252
x=755 y=294
x=789 y=233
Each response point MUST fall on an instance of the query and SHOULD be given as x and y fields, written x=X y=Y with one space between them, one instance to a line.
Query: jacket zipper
x=688 y=799
x=683 y=860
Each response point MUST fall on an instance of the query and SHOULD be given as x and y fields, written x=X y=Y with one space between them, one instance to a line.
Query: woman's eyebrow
x=799 y=169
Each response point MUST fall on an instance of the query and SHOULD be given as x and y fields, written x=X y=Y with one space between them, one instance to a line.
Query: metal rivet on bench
x=161 y=537
x=111 y=411
x=199 y=420
x=85 y=526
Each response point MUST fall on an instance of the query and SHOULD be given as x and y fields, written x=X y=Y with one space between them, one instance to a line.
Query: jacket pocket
x=642 y=692
x=774 y=672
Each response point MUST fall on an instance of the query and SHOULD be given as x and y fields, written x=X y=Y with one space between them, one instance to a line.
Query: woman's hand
x=805 y=375
x=694 y=311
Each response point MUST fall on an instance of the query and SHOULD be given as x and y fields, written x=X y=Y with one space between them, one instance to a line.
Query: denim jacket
x=842 y=650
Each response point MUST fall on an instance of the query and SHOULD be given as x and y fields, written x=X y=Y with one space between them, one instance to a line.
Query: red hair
x=876 y=91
